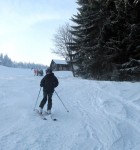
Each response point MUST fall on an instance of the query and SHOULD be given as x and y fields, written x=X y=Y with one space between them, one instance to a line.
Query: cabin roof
x=62 y=62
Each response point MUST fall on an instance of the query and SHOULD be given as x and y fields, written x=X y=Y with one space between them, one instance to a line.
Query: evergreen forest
x=106 y=39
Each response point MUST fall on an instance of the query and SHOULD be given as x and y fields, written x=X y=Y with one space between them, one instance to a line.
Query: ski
x=51 y=116
x=54 y=119
x=41 y=115
x=44 y=115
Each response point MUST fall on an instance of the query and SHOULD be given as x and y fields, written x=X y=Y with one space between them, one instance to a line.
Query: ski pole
x=37 y=98
x=61 y=101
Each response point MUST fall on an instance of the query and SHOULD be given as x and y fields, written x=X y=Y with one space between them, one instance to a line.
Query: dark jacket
x=49 y=82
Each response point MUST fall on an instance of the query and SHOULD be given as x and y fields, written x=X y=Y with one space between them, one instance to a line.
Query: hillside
x=102 y=115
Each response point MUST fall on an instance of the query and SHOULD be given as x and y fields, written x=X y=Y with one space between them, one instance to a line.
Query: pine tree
x=131 y=67
x=121 y=45
x=86 y=33
x=107 y=39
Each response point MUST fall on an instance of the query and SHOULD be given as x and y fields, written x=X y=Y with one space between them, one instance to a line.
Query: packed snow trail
x=102 y=115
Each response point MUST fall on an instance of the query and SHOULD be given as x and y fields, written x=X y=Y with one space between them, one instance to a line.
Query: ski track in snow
x=102 y=115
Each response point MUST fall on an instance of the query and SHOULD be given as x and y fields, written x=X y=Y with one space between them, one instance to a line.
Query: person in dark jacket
x=49 y=83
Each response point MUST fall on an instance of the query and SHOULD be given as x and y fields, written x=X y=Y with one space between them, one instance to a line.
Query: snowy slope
x=103 y=115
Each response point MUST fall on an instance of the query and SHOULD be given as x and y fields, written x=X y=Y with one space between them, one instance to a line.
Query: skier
x=49 y=82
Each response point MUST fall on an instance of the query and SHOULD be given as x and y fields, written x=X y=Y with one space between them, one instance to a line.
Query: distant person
x=35 y=72
x=49 y=83
x=41 y=72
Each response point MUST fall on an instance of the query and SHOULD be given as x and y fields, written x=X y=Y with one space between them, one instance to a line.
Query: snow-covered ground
x=102 y=115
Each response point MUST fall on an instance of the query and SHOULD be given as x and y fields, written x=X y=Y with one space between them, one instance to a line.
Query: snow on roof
x=60 y=61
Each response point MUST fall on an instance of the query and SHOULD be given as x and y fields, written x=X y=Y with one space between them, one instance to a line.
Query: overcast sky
x=27 y=27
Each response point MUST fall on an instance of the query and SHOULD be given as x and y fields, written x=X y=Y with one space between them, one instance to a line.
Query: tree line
x=104 y=40
x=6 y=61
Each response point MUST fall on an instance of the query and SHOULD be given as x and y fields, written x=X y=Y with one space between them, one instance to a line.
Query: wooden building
x=59 y=65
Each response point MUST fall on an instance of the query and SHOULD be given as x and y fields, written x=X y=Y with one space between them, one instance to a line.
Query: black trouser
x=44 y=100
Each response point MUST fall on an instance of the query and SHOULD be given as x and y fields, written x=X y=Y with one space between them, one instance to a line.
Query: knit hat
x=48 y=71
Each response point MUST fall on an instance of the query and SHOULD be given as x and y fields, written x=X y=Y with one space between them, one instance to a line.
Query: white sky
x=27 y=27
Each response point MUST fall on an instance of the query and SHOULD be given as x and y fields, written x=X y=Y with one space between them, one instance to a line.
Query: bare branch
x=61 y=38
